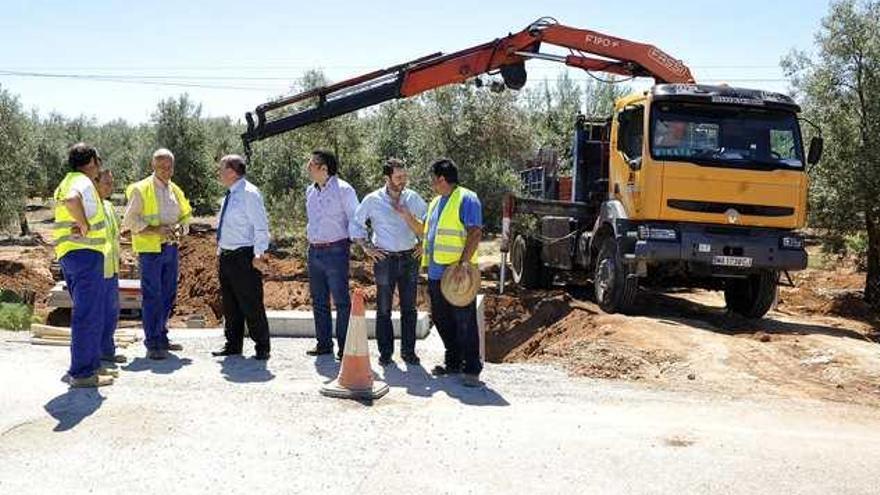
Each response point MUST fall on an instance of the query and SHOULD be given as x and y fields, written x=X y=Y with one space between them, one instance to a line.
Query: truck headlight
x=792 y=242
x=647 y=232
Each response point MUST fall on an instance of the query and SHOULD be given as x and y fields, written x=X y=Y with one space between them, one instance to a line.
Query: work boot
x=156 y=354
x=411 y=359
x=319 y=351
x=226 y=351
x=117 y=358
x=104 y=371
x=445 y=370
x=173 y=346
x=91 y=381
x=471 y=381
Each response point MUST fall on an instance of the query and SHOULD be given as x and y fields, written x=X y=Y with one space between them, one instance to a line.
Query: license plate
x=736 y=261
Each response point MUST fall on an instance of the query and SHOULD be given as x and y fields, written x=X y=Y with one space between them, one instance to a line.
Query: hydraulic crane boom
x=506 y=55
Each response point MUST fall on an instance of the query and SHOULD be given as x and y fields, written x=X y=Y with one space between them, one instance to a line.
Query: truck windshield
x=726 y=136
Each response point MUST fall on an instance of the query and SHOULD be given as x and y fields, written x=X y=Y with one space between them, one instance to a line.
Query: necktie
x=222 y=214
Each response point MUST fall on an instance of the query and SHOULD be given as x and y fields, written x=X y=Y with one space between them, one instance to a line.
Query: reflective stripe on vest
x=62 y=234
x=152 y=243
x=111 y=248
x=451 y=235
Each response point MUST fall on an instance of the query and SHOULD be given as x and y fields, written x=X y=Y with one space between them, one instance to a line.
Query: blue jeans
x=111 y=316
x=401 y=271
x=158 y=294
x=84 y=275
x=328 y=274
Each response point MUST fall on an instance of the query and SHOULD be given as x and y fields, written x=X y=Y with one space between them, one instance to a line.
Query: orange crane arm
x=506 y=55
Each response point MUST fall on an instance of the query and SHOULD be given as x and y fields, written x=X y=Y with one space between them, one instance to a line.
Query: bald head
x=231 y=168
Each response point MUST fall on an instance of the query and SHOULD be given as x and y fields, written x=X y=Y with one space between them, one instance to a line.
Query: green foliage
x=552 y=111
x=838 y=90
x=857 y=247
x=126 y=150
x=15 y=316
x=16 y=158
x=485 y=134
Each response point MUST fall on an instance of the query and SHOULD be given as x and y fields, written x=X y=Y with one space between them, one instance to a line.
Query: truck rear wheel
x=525 y=264
x=615 y=292
x=751 y=297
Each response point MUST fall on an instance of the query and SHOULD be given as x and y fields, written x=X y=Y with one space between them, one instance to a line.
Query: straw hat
x=463 y=293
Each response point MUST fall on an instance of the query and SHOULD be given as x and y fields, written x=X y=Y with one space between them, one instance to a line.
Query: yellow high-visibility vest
x=111 y=251
x=152 y=243
x=62 y=233
x=451 y=235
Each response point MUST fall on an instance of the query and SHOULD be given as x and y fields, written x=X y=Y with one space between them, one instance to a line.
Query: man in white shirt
x=242 y=240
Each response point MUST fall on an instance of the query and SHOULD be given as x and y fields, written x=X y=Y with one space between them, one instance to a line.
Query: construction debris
x=60 y=336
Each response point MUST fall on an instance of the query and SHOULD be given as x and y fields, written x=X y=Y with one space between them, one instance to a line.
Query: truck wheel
x=526 y=265
x=751 y=297
x=615 y=292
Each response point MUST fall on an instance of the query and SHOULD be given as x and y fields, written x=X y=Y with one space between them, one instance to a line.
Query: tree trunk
x=23 y=224
x=872 y=281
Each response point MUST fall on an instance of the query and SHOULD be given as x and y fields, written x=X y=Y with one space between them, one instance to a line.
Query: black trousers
x=458 y=330
x=241 y=286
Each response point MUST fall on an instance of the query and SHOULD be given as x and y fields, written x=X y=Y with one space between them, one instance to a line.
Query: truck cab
x=685 y=185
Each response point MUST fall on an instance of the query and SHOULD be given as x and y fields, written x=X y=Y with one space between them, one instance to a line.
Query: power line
x=188 y=81
x=176 y=82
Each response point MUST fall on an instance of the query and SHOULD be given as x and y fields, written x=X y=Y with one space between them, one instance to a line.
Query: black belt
x=326 y=245
x=241 y=250
x=399 y=254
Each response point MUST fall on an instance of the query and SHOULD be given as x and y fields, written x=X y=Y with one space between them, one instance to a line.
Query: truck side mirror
x=623 y=119
x=815 y=153
x=635 y=164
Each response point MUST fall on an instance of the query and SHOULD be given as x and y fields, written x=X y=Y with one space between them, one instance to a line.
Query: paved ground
x=196 y=424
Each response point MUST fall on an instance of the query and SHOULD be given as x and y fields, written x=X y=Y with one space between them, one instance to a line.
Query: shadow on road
x=73 y=406
x=238 y=369
x=417 y=381
x=160 y=367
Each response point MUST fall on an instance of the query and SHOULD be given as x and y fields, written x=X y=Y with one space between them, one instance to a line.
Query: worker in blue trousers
x=80 y=237
x=111 y=271
x=157 y=215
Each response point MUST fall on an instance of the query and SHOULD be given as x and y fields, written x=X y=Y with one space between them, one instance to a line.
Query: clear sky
x=233 y=55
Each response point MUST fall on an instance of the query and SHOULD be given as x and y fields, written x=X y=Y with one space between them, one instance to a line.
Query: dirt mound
x=687 y=340
x=29 y=276
x=551 y=326
x=285 y=284
x=198 y=289
x=828 y=292
x=516 y=317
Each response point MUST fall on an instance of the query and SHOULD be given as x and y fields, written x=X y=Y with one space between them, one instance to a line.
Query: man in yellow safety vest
x=452 y=233
x=80 y=237
x=157 y=214
x=111 y=271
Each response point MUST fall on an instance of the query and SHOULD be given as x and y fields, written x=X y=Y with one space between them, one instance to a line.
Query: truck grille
x=743 y=209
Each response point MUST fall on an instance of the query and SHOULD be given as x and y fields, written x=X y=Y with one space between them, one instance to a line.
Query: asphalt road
x=197 y=424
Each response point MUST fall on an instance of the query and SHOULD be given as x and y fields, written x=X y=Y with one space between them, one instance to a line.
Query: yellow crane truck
x=686 y=184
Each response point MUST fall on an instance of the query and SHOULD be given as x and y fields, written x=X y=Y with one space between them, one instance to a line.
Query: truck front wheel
x=753 y=296
x=614 y=290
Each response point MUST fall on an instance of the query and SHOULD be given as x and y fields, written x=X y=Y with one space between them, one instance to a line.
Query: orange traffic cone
x=355 y=379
